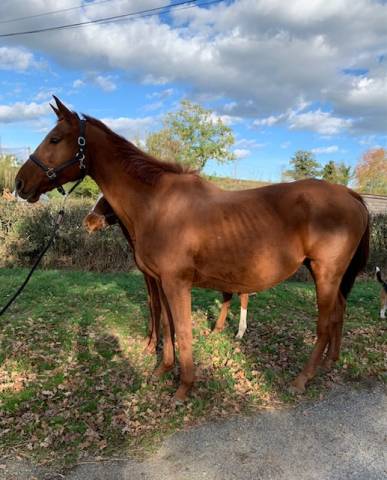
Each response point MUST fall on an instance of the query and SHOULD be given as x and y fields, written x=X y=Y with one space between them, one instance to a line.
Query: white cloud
x=323 y=150
x=324 y=123
x=21 y=111
x=78 y=83
x=45 y=94
x=248 y=143
x=269 y=121
x=225 y=119
x=318 y=121
x=149 y=107
x=241 y=153
x=105 y=83
x=12 y=58
x=131 y=127
x=162 y=94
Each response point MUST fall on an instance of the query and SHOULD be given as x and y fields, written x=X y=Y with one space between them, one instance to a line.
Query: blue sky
x=308 y=75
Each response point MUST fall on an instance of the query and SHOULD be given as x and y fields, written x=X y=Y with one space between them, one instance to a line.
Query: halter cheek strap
x=80 y=157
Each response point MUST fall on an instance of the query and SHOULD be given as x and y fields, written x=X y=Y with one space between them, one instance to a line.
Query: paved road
x=341 y=437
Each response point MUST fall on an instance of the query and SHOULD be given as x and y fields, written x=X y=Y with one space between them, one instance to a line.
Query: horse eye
x=54 y=140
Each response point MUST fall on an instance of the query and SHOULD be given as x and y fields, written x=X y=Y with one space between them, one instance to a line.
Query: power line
x=53 y=12
x=141 y=14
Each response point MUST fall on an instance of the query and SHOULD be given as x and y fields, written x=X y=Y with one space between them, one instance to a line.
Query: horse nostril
x=19 y=184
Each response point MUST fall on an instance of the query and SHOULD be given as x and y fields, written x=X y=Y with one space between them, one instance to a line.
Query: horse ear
x=63 y=112
x=56 y=110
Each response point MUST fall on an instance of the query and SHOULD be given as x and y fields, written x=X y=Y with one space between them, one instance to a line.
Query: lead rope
x=58 y=222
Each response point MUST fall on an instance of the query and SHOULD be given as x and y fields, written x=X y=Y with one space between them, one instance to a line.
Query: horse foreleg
x=179 y=300
x=244 y=298
x=219 y=326
x=168 y=360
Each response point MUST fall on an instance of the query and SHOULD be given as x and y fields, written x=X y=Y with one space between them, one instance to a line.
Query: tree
x=328 y=172
x=87 y=188
x=192 y=136
x=371 y=172
x=344 y=173
x=304 y=166
x=336 y=173
x=162 y=145
x=8 y=170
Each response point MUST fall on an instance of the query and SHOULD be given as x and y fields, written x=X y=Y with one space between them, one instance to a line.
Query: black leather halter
x=80 y=157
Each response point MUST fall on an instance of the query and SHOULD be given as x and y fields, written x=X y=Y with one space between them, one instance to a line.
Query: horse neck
x=127 y=195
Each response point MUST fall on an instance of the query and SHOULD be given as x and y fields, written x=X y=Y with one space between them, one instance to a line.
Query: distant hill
x=234 y=183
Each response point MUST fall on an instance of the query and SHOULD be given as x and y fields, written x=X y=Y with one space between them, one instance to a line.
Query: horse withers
x=188 y=232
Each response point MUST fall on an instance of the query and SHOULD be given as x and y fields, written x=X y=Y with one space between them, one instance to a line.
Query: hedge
x=24 y=230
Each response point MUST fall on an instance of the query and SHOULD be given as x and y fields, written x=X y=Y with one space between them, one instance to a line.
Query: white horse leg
x=242 y=323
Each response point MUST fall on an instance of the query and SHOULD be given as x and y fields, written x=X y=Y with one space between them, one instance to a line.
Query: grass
x=74 y=380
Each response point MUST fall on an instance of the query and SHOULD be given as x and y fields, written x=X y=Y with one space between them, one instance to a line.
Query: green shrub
x=378 y=243
x=25 y=229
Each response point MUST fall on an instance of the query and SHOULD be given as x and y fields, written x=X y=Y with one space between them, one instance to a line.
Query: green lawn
x=74 y=380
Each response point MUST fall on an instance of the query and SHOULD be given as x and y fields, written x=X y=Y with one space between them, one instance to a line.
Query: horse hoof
x=295 y=390
x=327 y=364
x=239 y=336
x=181 y=393
x=297 y=386
x=178 y=403
x=217 y=330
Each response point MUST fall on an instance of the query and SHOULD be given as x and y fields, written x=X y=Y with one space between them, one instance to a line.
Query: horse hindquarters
x=334 y=281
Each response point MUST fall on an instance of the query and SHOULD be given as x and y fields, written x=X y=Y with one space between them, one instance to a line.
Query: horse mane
x=137 y=163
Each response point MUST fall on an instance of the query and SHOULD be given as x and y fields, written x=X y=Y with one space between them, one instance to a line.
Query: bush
x=378 y=243
x=25 y=229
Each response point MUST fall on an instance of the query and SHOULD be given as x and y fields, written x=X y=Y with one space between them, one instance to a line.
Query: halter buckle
x=51 y=174
x=81 y=141
x=82 y=161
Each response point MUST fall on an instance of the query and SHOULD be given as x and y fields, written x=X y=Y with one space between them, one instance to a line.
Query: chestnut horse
x=188 y=232
x=100 y=217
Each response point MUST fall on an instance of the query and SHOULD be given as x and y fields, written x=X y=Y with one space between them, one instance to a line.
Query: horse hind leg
x=244 y=298
x=335 y=333
x=154 y=303
x=219 y=326
x=327 y=286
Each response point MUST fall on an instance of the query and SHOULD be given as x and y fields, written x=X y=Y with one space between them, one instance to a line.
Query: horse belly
x=247 y=271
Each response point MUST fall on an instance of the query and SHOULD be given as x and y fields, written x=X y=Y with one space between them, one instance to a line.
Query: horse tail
x=359 y=260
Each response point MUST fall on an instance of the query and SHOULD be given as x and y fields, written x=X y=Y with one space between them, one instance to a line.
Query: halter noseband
x=80 y=157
